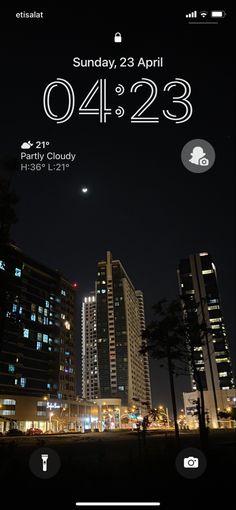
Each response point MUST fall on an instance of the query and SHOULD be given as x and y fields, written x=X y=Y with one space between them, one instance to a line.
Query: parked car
x=34 y=432
x=14 y=432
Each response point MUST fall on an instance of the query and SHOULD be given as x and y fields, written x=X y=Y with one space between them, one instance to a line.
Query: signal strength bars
x=192 y=14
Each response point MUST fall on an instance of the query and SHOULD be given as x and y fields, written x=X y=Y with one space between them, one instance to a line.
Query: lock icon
x=117 y=37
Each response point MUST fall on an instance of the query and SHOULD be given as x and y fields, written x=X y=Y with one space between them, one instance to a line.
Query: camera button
x=191 y=463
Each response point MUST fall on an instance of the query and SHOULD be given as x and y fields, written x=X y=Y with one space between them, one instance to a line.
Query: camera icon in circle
x=204 y=162
x=191 y=462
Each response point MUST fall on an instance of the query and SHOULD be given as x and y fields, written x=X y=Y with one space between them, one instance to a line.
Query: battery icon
x=218 y=14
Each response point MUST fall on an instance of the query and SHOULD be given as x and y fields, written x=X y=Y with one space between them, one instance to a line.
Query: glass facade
x=200 y=293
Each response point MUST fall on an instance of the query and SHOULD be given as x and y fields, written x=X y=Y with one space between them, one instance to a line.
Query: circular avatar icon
x=191 y=463
x=198 y=156
x=44 y=463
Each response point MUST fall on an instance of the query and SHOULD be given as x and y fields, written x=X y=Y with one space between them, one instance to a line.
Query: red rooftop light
x=74 y=285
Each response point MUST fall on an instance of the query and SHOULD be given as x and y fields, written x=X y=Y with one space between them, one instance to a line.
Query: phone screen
x=117 y=349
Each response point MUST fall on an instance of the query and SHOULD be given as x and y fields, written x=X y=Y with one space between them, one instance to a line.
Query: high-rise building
x=123 y=372
x=199 y=291
x=37 y=329
x=139 y=295
x=89 y=348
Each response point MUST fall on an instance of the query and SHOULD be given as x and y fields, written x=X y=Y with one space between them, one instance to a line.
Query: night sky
x=142 y=203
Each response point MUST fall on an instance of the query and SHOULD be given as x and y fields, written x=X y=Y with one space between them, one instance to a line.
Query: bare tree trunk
x=172 y=390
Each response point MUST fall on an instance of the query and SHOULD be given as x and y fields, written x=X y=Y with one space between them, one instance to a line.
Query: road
x=116 y=466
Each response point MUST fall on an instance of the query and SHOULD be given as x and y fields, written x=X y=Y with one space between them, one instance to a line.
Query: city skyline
x=141 y=203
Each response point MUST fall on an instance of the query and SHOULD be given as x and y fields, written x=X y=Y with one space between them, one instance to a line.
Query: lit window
x=47 y=304
x=39 y=346
x=62 y=368
x=213 y=307
x=18 y=272
x=67 y=325
x=26 y=333
x=2 y=265
x=40 y=309
x=7 y=412
x=121 y=388
x=45 y=338
x=98 y=291
x=48 y=386
x=39 y=336
x=45 y=321
x=63 y=316
x=40 y=319
x=207 y=271
x=103 y=282
x=11 y=369
x=216 y=319
x=33 y=317
x=16 y=381
x=103 y=291
x=14 y=307
x=45 y=313
x=23 y=382
x=215 y=326
x=33 y=307
x=63 y=292
x=20 y=310
x=223 y=374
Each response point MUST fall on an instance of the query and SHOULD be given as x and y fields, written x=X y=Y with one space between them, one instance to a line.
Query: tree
x=8 y=200
x=173 y=336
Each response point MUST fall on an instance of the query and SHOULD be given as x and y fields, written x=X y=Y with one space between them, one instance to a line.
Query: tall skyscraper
x=37 y=329
x=198 y=286
x=89 y=348
x=122 y=372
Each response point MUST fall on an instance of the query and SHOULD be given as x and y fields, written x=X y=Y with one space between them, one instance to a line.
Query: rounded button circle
x=44 y=463
x=191 y=463
x=198 y=156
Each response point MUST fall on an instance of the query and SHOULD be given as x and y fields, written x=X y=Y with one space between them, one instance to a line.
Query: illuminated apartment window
x=47 y=304
x=2 y=265
x=39 y=346
x=39 y=336
x=23 y=382
x=63 y=292
x=11 y=369
x=33 y=316
x=45 y=338
x=18 y=272
x=26 y=333
x=40 y=309
x=216 y=319
x=14 y=307
x=213 y=307
x=207 y=271
x=223 y=374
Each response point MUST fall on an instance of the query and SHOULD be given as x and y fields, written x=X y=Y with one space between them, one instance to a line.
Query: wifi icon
x=203 y=14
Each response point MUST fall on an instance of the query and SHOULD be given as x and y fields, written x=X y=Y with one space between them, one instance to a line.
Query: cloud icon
x=26 y=145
